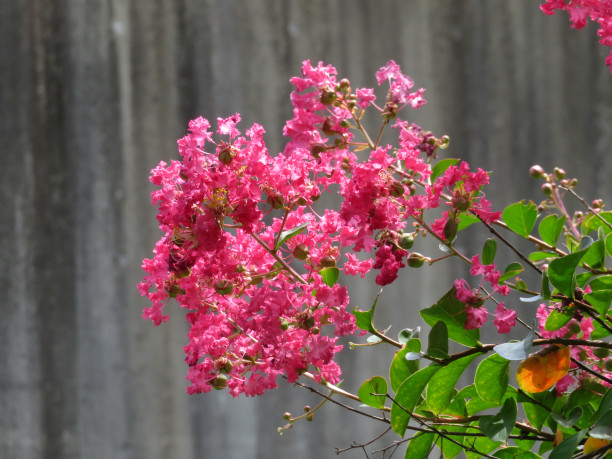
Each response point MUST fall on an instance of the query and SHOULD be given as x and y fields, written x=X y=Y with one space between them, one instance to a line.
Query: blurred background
x=95 y=93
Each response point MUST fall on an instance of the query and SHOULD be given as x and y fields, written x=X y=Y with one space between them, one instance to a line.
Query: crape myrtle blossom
x=474 y=298
x=245 y=249
x=579 y=327
x=580 y=11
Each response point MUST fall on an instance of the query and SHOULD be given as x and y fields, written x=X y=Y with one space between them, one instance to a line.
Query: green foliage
x=420 y=446
x=491 y=380
x=452 y=312
x=288 y=234
x=330 y=275
x=499 y=426
x=372 y=392
x=520 y=217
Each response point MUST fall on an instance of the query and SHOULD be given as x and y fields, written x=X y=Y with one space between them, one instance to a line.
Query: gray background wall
x=95 y=93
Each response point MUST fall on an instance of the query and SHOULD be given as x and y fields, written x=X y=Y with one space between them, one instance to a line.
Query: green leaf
x=407 y=397
x=608 y=244
x=330 y=275
x=603 y=427
x=374 y=385
x=595 y=256
x=401 y=368
x=438 y=341
x=580 y=397
x=569 y=420
x=450 y=449
x=488 y=251
x=466 y=220
x=539 y=256
x=567 y=447
x=407 y=334
x=476 y=404
x=288 y=234
x=523 y=445
x=601 y=293
x=440 y=167
x=593 y=222
x=557 y=319
x=606 y=403
x=451 y=311
x=513 y=269
x=442 y=384
x=420 y=445
x=516 y=350
x=364 y=319
x=520 y=217
x=499 y=426
x=491 y=380
x=545 y=286
x=561 y=272
x=480 y=444
x=535 y=412
x=515 y=453
x=551 y=228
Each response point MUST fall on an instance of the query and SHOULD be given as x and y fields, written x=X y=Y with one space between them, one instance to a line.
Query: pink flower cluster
x=476 y=314
x=580 y=11
x=245 y=251
x=578 y=327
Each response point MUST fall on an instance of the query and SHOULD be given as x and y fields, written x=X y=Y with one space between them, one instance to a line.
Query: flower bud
x=284 y=324
x=344 y=85
x=416 y=260
x=220 y=382
x=461 y=202
x=327 y=97
x=223 y=364
x=536 y=171
x=224 y=287
x=306 y=408
x=559 y=173
x=276 y=201
x=310 y=417
x=317 y=148
x=327 y=262
x=406 y=241
x=597 y=204
x=226 y=154
x=301 y=252
x=286 y=416
x=547 y=189
x=396 y=189
x=240 y=268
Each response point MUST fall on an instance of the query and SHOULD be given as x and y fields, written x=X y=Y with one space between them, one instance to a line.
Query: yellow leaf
x=541 y=370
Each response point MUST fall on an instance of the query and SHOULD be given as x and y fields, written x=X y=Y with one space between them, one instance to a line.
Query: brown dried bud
x=301 y=252
x=327 y=261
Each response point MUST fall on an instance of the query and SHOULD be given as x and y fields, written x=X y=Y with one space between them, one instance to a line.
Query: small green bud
x=559 y=173
x=416 y=260
x=406 y=241
x=547 y=189
x=286 y=416
x=396 y=189
x=327 y=97
x=224 y=287
x=306 y=408
x=276 y=201
x=240 y=268
x=310 y=417
x=220 y=382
